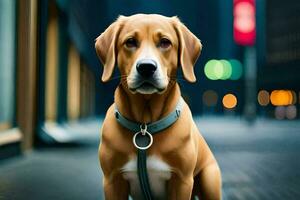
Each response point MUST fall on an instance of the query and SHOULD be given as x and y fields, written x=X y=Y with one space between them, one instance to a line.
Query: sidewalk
x=259 y=162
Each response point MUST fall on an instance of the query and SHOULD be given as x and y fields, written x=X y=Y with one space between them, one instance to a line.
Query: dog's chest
x=158 y=171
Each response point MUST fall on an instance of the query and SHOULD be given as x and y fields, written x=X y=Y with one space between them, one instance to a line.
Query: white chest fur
x=158 y=171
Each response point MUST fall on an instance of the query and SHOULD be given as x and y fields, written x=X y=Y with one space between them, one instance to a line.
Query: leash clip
x=145 y=137
x=143 y=129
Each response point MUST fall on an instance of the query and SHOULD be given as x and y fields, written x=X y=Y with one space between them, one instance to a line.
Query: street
x=258 y=161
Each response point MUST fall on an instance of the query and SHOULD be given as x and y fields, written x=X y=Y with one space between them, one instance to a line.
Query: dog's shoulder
x=108 y=122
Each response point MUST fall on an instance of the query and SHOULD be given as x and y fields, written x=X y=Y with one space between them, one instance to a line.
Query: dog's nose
x=146 y=67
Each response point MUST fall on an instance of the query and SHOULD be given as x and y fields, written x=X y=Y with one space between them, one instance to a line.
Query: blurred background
x=246 y=101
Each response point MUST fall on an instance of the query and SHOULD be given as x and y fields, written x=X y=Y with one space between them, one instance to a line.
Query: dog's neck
x=147 y=108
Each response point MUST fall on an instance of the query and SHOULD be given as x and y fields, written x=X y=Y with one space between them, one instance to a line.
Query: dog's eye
x=164 y=43
x=131 y=43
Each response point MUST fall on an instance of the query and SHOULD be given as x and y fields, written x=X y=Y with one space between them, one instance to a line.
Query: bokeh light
x=223 y=69
x=263 y=98
x=244 y=26
x=227 y=69
x=291 y=112
x=244 y=17
x=236 y=68
x=229 y=101
x=279 y=112
x=218 y=69
x=281 y=97
x=209 y=69
x=210 y=98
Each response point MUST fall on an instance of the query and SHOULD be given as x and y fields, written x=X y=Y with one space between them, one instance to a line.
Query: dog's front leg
x=116 y=188
x=211 y=182
x=180 y=188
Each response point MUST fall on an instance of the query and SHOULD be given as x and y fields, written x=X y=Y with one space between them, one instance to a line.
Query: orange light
x=281 y=97
x=263 y=98
x=229 y=101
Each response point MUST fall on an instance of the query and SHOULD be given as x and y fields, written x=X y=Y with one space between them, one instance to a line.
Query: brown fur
x=194 y=168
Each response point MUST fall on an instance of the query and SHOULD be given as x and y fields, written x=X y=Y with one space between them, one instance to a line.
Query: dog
x=148 y=50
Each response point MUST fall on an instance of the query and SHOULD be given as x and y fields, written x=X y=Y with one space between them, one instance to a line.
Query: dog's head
x=148 y=50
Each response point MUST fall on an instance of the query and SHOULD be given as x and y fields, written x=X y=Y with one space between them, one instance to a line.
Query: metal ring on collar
x=144 y=134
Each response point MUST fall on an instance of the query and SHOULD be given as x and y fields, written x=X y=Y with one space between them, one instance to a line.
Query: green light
x=209 y=69
x=218 y=70
x=227 y=70
x=223 y=69
x=237 y=69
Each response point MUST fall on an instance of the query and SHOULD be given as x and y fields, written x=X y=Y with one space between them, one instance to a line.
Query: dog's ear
x=189 y=49
x=105 y=46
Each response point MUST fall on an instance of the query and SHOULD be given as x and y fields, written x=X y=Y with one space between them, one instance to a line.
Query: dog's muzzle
x=146 y=67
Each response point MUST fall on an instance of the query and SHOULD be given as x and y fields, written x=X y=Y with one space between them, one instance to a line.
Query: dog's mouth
x=146 y=87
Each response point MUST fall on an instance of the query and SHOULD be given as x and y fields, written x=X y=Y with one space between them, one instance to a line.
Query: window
x=7 y=63
x=51 y=66
x=73 y=84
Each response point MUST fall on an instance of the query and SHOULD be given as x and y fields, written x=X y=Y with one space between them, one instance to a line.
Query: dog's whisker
x=117 y=77
x=179 y=79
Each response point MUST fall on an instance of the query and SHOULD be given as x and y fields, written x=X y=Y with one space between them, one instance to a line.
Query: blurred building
x=279 y=60
x=45 y=79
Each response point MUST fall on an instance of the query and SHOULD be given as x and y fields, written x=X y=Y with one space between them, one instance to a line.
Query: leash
x=143 y=139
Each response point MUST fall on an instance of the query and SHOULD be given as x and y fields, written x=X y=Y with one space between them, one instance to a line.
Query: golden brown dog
x=148 y=50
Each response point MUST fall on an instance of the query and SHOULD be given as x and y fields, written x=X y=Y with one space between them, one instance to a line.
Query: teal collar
x=153 y=127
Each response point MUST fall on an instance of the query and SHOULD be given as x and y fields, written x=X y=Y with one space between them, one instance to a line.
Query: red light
x=244 y=22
